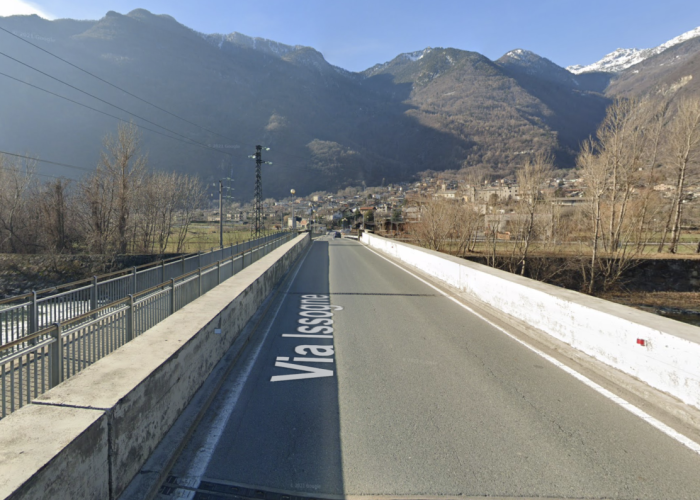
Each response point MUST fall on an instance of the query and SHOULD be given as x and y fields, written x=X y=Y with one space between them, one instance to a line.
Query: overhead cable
x=113 y=105
x=47 y=161
x=95 y=109
x=113 y=85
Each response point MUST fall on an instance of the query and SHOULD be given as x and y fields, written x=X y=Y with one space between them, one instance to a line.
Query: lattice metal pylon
x=257 y=227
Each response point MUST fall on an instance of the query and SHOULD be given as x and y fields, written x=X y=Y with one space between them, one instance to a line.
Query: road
x=420 y=397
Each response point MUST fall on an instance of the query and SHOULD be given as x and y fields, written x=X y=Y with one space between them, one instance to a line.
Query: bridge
x=342 y=368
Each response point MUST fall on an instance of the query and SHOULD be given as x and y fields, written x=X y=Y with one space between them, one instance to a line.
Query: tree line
x=640 y=144
x=120 y=207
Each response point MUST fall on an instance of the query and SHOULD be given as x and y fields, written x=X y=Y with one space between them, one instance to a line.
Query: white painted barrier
x=669 y=360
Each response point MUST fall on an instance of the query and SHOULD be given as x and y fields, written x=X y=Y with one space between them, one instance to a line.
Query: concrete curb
x=89 y=436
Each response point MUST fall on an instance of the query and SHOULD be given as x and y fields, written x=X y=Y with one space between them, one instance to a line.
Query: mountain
x=438 y=108
x=675 y=69
x=622 y=59
x=504 y=108
x=529 y=63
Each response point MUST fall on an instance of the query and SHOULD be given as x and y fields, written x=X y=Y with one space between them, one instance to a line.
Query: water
x=692 y=319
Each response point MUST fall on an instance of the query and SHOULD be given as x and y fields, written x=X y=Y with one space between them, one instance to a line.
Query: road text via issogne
x=316 y=320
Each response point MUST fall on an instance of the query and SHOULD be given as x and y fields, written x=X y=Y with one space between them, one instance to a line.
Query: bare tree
x=683 y=153
x=467 y=222
x=531 y=177
x=656 y=119
x=190 y=196
x=613 y=168
x=623 y=141
x=56 y=204
x=595 y=176
x=150 y=196
x=108 y=195
x=125 y=168
x=436 y=224
x=16 y=180
x=97 y=207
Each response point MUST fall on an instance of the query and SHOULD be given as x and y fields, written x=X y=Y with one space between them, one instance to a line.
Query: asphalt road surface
x=407 y=393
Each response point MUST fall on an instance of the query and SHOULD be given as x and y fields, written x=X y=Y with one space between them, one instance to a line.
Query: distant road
x=420 y=397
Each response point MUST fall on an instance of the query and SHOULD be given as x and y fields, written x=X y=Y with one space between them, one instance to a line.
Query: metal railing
x=100 y=323
x=26 y=314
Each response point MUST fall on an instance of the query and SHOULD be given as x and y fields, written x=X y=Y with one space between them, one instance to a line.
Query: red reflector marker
x=641 y=342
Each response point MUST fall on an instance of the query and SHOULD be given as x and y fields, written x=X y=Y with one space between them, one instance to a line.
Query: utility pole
x=221 y=214
x=221 y=207
x=257 y=226
x=257 y=202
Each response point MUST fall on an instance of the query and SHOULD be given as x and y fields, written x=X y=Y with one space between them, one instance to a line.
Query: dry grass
x=689 y=301
x=203 y=237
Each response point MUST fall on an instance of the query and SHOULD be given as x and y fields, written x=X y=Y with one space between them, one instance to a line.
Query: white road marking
x=313 y=360
x=307 y=336
x=601 y=390
x=310 y=372
x=201 y=460
x=319 y=309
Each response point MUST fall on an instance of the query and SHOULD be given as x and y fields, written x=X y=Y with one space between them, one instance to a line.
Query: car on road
x=336 y=235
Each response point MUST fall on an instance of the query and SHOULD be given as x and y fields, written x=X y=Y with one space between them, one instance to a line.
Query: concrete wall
x=89 y=436
x=670 y=360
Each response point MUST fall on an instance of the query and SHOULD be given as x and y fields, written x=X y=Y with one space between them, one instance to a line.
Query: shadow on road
x=284 y=436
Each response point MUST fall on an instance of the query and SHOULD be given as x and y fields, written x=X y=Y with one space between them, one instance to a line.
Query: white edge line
x=601 y=390
x=203 y=456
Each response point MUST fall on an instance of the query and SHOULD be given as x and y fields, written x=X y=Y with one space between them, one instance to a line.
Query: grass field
x=204 y=237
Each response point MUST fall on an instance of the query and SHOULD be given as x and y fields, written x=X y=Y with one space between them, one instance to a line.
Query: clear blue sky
x=356 y=34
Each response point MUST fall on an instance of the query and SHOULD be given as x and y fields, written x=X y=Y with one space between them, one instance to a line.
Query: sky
x=357 y=34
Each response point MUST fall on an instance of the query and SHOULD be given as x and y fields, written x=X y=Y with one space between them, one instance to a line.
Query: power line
x=46 y=161
x=95 y=109
x=113 y=105
x=34 y=173
x=113 y=85
x=128 y=93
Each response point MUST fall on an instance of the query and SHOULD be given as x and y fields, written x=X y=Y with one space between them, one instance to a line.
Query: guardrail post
x=199 y=279
x=199 y=258
x=93 y=294
x=133 y=281
x=218 y=273
x=56 y=356
x=172 y=296
x=130 y=316
x=33 y=315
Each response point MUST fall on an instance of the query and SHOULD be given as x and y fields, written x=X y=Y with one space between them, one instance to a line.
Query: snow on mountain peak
x=679 y=39
x=624 y=58
x=520 y=53
x=415 y=56
x=522 y=60
x=262 y=44
x=401 y=59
